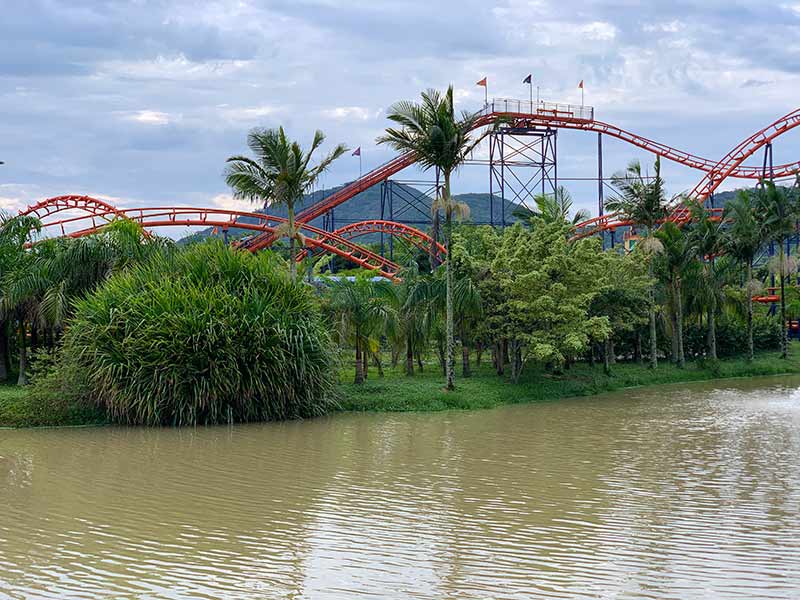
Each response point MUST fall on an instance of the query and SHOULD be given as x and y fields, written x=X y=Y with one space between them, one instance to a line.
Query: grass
x=424 y=392
x=18 y=408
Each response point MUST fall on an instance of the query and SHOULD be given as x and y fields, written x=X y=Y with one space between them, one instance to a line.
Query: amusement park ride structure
x=522 y=163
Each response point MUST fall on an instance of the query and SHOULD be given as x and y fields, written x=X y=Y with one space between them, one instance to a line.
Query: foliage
x=209 y=335
x=485 y=390
x=439 y=139
x=732 y=337
x=546 y=287
x=553 y=208
x=280 y=174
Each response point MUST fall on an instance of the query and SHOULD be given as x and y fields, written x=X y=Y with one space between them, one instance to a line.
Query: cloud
x=228 y=202
x=349 y=113
x=150 y=117
x=146 y=100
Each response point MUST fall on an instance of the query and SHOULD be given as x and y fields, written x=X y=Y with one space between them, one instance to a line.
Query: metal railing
x=545 y=109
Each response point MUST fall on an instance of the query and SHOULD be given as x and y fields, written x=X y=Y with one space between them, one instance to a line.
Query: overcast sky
x=142 y=101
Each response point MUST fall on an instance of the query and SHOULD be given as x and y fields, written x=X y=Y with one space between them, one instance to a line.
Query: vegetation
x=397 y=393
x=122 y=326
x=442 y=141
x=208 y=335
x=280 y=174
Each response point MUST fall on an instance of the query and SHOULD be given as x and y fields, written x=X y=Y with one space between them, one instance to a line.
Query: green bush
x=732 y=336
x=211 y=335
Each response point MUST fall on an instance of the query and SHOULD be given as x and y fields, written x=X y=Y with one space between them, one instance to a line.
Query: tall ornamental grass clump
x=209 y=335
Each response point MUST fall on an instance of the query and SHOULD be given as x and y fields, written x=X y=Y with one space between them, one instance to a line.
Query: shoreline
x=424 y=392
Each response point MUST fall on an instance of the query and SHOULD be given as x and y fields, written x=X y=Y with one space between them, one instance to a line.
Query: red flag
x=482 y=82
x=580 y=85
x=357 y=152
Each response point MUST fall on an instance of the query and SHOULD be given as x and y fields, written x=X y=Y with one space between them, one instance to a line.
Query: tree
x=778 y=211
x=676 y=255
x=642 y=201
x=553 y=208
x=622 y=297
x=440 y=140
x=547 y=287
x=708 y=241
x=743 y=239
x=280 y=174
x=362 y=310
x=15 y=233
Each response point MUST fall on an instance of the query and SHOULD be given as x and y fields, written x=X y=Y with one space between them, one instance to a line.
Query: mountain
x=408 y=205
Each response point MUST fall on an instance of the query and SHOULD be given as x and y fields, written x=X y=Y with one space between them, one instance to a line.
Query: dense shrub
x=210 y=335
x=732 y=336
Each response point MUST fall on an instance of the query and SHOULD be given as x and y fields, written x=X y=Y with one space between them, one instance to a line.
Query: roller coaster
x=75 y=215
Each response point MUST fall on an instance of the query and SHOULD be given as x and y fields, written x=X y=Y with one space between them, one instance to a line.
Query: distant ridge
x=411 y=207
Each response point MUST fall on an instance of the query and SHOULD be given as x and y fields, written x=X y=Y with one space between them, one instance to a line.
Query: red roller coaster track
x=94 y=214
x=399 y=230
x=523 y=114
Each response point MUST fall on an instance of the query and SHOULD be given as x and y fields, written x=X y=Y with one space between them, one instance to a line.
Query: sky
x=141 y=102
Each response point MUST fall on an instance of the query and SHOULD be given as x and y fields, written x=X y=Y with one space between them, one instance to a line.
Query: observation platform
x=546 y=110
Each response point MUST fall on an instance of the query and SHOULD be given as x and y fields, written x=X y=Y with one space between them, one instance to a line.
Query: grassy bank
x=19 y=409
x=423 y=392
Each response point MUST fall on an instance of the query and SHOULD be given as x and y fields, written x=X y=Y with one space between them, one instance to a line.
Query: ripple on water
x=677 y=492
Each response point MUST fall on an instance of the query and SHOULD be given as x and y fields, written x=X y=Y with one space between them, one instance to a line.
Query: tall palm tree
x=280 y=174
x=778 y=210
x=744 y=238
x=642 y=200
x=553 y=208
x=440 y=140
x=678 y=252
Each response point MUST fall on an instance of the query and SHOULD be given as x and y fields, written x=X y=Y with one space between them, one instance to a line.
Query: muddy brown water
x=689 y=491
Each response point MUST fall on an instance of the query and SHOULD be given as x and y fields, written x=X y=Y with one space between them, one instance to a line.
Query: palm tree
x=708 y=241
x=441 y=140
x=778 y=211
x=744 y=238
x=642 y=201
x=15 y=233
x=678 y=252
x=411 y=326
x=430 y=294
x=280 y=174
x=552 y=208
x=362 y=311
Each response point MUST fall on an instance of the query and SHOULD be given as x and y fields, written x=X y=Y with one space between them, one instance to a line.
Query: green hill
x=410 y=206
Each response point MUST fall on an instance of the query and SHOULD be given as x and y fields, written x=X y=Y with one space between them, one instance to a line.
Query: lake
x=687 y=491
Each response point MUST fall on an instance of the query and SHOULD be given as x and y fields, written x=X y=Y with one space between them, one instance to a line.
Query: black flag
x=527 y=79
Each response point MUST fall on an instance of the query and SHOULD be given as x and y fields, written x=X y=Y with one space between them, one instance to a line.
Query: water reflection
x=681 y=492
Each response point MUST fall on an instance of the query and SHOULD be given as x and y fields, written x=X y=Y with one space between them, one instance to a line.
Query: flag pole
x=530 y=85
